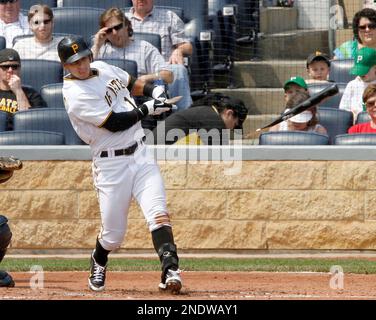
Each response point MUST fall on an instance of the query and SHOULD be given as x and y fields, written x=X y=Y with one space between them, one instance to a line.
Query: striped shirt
x=166 y=23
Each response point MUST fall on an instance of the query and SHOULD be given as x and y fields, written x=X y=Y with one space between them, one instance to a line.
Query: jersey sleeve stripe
x=102 y=124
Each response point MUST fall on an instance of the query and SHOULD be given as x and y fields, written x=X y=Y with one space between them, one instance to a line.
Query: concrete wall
x=267 y=204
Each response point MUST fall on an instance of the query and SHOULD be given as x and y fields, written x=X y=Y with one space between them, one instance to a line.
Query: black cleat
x=172 y=282
x=97 y=276
x=6 y=280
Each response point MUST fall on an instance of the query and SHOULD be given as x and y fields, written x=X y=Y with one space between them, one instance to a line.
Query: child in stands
x=318 y=67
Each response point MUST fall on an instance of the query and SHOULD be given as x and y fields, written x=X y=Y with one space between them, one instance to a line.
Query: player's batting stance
x=103 y=113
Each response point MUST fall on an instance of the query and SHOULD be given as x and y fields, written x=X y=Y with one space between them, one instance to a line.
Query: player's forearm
x=124 y=120
x=141 y=88
x=137 y=88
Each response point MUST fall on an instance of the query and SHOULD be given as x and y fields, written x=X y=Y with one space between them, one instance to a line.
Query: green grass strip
x=361 y=266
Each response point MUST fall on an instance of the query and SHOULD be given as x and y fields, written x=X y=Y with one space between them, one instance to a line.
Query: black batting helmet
x=73 y=48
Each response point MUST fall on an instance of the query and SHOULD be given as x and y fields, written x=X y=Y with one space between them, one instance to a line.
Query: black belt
x=121 y=152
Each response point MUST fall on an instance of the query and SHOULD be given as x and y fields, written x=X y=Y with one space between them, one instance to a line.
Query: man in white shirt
x=365 y=70
x=12 y=22
x=115 y=40
x=175 y=45
x=43 y=45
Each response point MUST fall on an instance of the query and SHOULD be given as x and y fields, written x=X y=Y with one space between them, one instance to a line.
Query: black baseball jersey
x=205 y=120
x=8 y=102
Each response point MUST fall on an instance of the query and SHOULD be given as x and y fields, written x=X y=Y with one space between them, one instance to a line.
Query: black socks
x=101 y=254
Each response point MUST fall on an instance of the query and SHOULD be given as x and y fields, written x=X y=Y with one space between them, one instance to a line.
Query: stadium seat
x=292 y=138
x=103 y=4
x=47 y=119
x=37 y=73
x=23 y=36
x=152 y=38
x=3 y=120
x=335 y=121
x=216 y=6
x=362 y=117
x=52 y=94
x=179 y=11
x=127 y=65
x=3 y=43
x=192 y=11
x=33 y=137
x=356 y=139
x=77 y=20
x=26 y=4
x=222 y=20
x=340 y=70
x=332 y=102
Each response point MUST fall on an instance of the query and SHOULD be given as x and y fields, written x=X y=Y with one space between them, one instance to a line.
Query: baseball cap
x=318 y=56
x=296 y=80
x=302 y=117
x=9 y=55
x=365 y=60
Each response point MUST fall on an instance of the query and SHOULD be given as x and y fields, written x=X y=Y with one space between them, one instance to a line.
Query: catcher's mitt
x=7 y=167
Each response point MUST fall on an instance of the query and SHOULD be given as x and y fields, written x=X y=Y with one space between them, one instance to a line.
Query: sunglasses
x=117 y=28
x=370 y=26
x=39 y=22
x=370 y=104
x=6 y=1
x=6 y=67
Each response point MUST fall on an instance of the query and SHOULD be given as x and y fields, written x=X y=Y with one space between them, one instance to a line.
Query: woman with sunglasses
x=369 y=100
x=364 y=29
x=43 y=45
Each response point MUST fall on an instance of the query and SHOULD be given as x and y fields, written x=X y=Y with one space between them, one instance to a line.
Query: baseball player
x=5 y=237
x=7 y=167
x=103 y=113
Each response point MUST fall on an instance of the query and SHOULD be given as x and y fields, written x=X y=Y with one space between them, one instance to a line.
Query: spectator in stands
x=365 y=70
x=114 y=41
x=207 y=122
x=369 y=4
x=318 y=67
x=12 y=22
x=364 y=30
x=369 y=99
x=43 y=45
x=305 y=121
x=175 y=46
x=13 y=96
x=293 y=85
